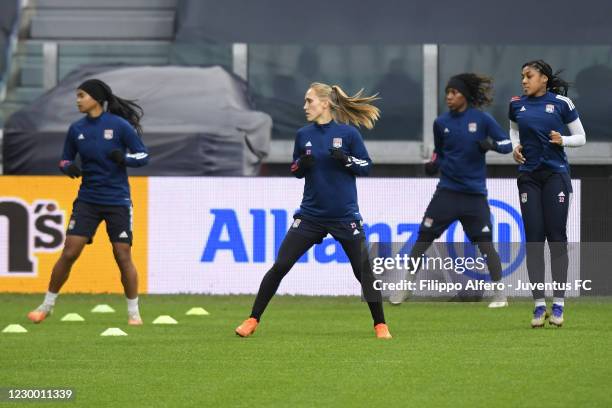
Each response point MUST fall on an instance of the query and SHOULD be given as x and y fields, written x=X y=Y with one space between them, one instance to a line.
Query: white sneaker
x=399 y=296
x=499 y=300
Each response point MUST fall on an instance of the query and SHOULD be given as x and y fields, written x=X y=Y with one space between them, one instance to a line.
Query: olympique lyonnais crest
x=108 y=134
x=472 y=127
x=337 y=142
x=550 y=108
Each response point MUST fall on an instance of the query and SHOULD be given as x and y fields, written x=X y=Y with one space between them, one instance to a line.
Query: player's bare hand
x=517 y=154
x=555 y=137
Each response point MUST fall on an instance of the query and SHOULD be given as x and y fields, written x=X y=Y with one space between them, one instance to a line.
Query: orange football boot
x=247 y=327
x=38 y=315
x=382 y=331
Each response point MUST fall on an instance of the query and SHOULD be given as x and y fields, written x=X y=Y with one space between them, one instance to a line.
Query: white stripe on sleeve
x=357 y=161
x=568 y=101
x=137 y=156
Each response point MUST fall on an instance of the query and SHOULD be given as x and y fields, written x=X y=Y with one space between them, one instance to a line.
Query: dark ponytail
x=127 y=109
x=555 y=83
x=477 y=89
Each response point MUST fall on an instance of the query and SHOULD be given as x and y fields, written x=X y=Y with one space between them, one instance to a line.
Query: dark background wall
x=378 y=46
x=396 y=21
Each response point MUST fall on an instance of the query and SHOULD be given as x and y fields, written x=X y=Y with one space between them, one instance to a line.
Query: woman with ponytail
x=107 y=141
x=329 y=153
x=462 y=138
x=537 y=121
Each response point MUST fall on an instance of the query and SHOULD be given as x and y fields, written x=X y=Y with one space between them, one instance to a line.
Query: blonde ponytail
x=356 y=109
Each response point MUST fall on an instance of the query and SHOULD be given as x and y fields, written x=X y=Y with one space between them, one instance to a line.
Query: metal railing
x=10 y=49
x=381 y=151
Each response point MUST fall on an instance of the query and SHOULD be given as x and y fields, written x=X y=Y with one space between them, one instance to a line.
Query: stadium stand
x=9 y=18
x=405 y=58
x=87 y=32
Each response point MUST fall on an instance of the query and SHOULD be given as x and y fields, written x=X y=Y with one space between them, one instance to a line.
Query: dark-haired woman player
x=107 y=142
x=537 y=120
x=462 y=137
x=329 y=153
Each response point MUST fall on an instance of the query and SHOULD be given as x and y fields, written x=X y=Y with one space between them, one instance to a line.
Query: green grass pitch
x=310 y=351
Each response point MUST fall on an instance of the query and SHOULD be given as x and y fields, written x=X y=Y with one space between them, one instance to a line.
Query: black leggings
x=293 y=247
x=474 y=214
x=484 y=243
x=545 y=200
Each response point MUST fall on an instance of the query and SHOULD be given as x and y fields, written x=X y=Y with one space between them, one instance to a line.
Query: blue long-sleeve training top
x=330 y=190
x=462 y=162
x=104 y=181
x=536 y=117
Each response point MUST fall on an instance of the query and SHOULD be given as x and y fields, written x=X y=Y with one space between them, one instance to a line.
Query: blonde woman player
x=329 y=153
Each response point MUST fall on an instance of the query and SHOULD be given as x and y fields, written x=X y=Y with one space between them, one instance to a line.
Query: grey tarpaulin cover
x=197 y=121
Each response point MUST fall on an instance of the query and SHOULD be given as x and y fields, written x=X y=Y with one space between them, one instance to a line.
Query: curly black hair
x=479 y=88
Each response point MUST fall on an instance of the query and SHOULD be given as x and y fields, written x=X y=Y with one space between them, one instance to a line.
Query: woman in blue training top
x=462 y=137
x=107 y=142
x=537 y=121
x=328 y=153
